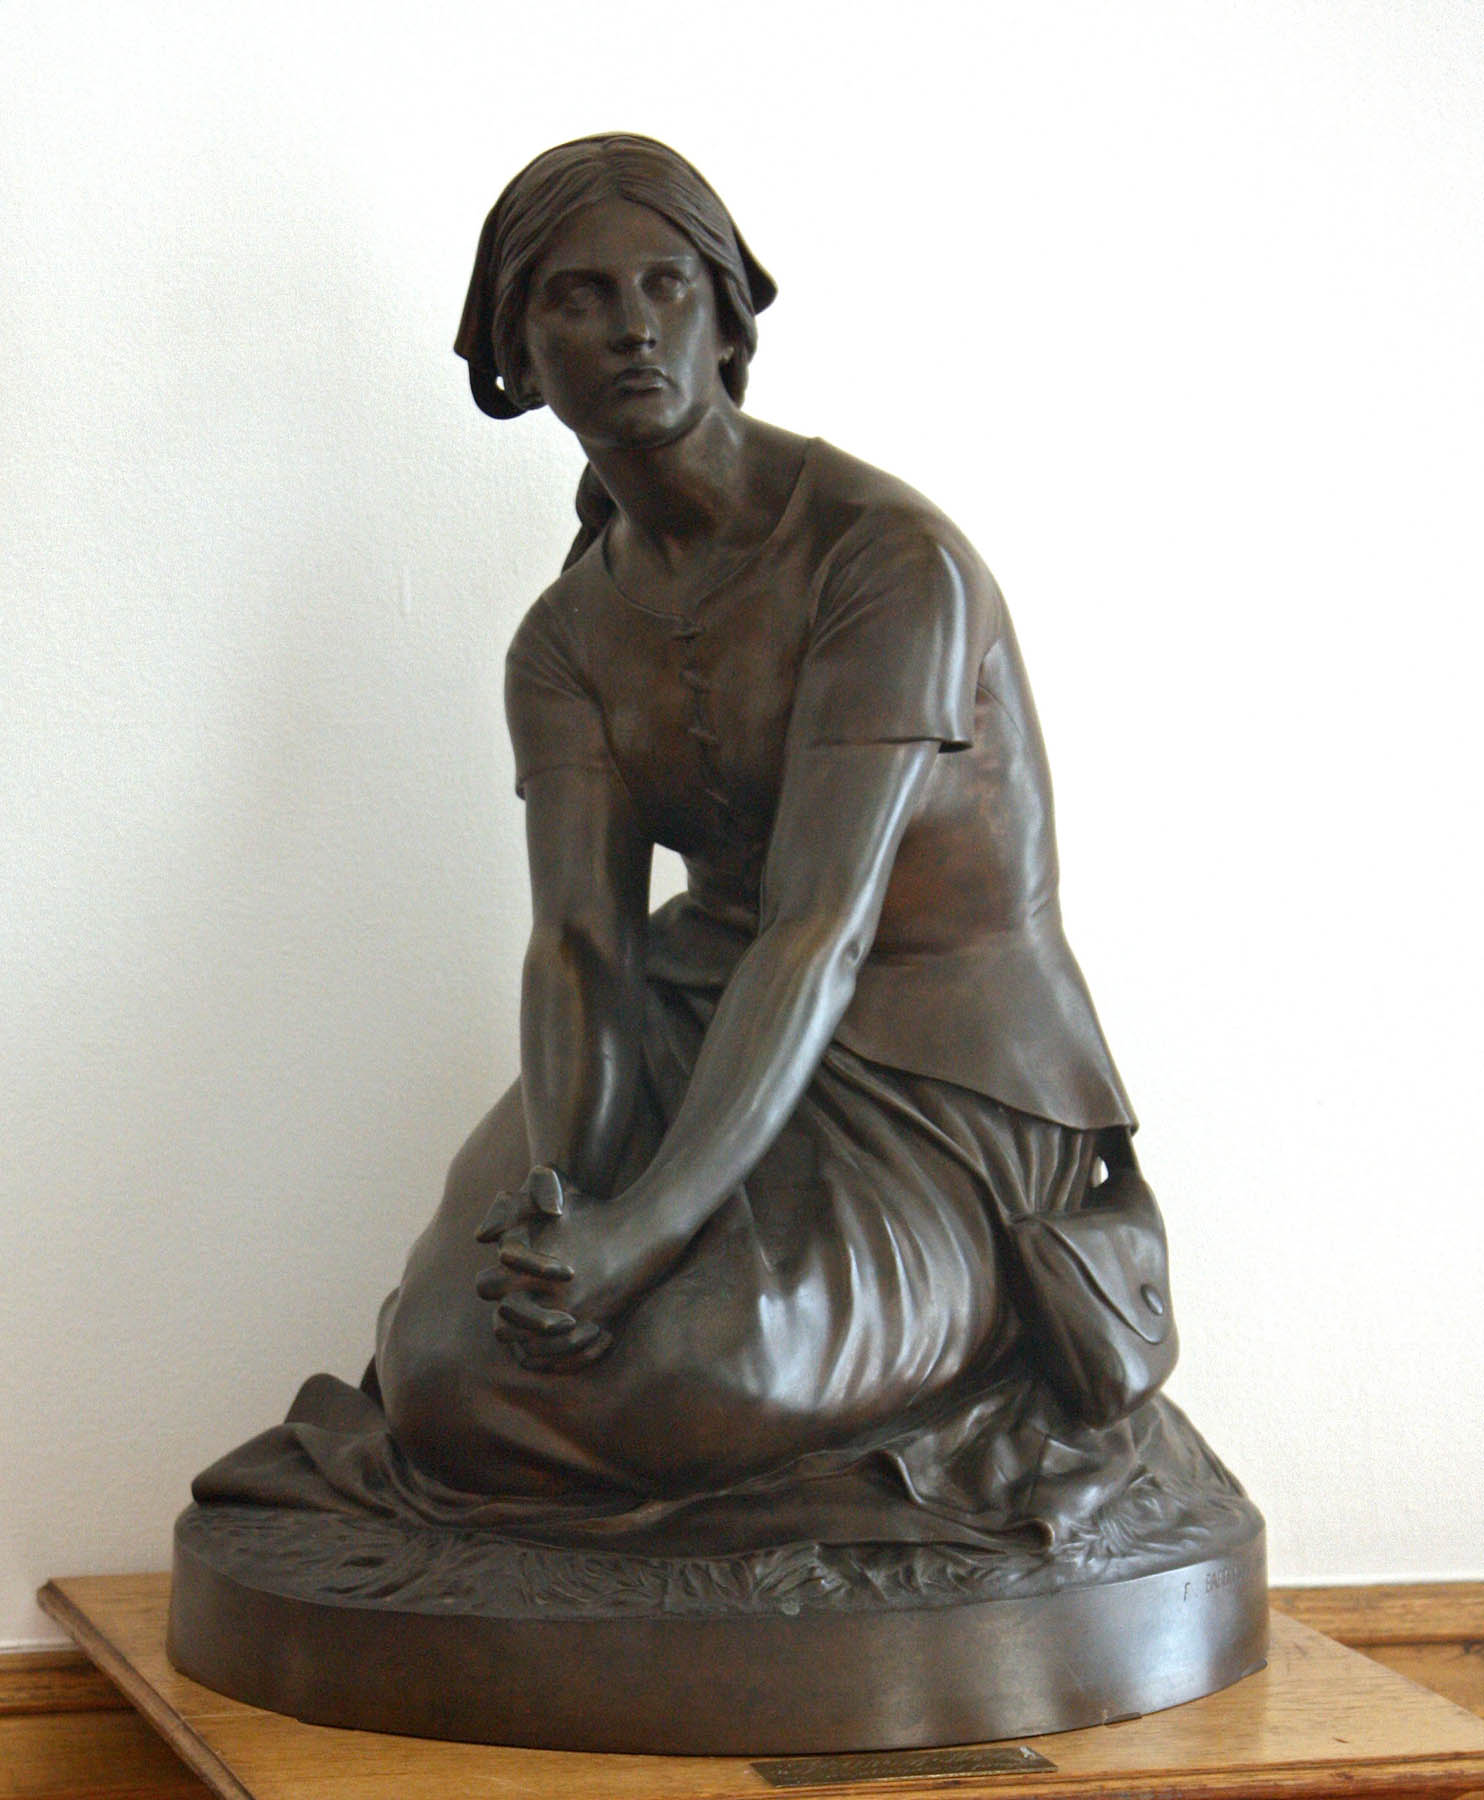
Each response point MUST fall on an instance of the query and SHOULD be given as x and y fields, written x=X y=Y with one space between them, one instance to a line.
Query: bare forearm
x=581 y=1017
x=771 y=1027
x=781 y=1007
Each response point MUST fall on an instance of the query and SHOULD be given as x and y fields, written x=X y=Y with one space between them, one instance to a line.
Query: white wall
x=1176 y=306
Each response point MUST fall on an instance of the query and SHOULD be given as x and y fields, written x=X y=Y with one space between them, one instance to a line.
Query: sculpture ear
x=521 y=384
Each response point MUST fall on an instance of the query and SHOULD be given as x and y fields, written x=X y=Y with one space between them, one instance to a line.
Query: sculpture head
x=538 y=206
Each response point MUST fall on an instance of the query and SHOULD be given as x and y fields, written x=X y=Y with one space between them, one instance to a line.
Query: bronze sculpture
x=810 y=1253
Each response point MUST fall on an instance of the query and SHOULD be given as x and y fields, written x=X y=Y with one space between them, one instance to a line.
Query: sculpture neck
x=692 y=510
x=685 y=489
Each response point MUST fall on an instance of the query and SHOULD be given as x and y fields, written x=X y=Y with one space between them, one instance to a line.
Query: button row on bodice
x=701 y=725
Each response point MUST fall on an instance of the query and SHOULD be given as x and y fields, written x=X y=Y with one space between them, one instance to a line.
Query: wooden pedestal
x=1320 y=1720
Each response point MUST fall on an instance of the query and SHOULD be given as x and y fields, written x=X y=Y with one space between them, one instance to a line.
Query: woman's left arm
x=841 y=816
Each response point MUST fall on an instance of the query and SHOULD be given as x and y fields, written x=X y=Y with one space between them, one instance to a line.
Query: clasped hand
x=563 y=1269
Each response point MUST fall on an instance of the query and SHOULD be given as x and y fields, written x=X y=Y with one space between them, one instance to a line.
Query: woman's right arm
x=582 y=995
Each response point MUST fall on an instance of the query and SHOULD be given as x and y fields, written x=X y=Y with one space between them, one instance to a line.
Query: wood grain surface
x=1320 y=1720
x=1432 y=1632
x=1424 y=1612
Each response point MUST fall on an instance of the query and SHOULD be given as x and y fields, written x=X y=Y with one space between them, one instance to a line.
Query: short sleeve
x=553 y=718
x=905 y=617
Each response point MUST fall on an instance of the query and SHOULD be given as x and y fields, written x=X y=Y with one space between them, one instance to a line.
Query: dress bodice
x=865 y=617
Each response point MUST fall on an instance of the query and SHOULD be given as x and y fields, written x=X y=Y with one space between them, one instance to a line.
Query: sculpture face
x=622 y=334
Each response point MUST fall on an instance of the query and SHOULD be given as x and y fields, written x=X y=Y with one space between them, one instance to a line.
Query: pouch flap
x=1117 y=1246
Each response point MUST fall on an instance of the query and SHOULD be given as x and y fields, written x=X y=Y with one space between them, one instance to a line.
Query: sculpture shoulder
x=879 y=532
x=552 y=628
x=548 y=652
x=847 y=481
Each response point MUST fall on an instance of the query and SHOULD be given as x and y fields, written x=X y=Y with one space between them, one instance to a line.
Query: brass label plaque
x=901 y=1765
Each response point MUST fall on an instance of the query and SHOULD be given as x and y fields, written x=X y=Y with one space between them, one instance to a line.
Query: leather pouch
x=1095 y=1298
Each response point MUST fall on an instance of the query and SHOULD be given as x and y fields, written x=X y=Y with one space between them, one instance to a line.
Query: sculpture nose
x=633 y=321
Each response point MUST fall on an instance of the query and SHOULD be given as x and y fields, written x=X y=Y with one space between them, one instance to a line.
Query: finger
x=596 y=1346
x=490 y=1284
x=544 y=1189
x=553 y=1347
x=558 y=1347
x=556 y=1357
x=503 y=1213
x=528 y=1314
x=581 y=1337
x=523 y=1260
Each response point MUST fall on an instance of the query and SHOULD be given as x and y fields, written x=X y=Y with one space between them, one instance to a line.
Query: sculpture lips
x=643 y=379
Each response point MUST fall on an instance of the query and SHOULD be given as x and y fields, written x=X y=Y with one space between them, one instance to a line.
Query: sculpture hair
x=523 y=221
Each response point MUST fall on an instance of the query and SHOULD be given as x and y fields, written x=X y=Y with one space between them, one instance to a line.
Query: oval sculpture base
x=364 y=1623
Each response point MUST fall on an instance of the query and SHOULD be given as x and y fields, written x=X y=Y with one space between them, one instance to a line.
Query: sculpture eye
x=667 y=284
x=580 y=296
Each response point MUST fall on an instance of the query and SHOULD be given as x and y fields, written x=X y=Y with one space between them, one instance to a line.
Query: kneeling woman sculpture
x=802 y=1308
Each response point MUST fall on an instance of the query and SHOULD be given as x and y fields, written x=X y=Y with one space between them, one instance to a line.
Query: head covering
x=545 y=194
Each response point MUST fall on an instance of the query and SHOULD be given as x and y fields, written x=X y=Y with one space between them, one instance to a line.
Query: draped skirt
x=837 y=1356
